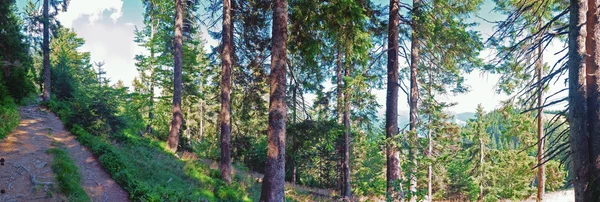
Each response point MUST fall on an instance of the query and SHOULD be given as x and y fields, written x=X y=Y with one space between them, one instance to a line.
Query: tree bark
x=273 y=182
x=173 y=140
x=346 y=194
x=46 y=52
x=430 y=142
x=579 y=137
x=393 y=169
x=340 y=95
x=151 y=106
x=414 y=99
x=294 y=86
x=340 y=117
x=481 y=156
x=540 y=124
x=593 y=98
x=226 y=92
x=429 y=167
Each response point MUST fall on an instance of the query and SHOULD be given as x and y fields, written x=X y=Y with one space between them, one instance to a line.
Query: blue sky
x=108 y=28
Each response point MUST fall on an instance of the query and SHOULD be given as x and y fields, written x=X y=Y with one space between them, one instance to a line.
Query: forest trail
x=27 y=175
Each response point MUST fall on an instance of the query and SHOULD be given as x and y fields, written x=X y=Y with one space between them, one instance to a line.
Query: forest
x=303 y=100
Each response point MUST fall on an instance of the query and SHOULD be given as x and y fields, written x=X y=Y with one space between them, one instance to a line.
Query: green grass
x=67 y=175
x=143 y=168
x=9 y=114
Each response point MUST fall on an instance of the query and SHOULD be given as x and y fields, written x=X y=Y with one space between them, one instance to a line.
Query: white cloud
x=92 y=9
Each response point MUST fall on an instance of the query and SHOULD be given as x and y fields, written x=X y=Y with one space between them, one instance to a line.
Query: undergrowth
x=9 y=114
x=148 y=173
x=67 y=175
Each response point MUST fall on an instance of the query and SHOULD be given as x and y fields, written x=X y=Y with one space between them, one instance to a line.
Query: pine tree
x=273 y=182
x=46 y=52
x=394 y=187
x=173 y=141
x=226 y=60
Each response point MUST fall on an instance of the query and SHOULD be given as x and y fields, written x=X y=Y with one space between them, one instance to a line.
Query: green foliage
x=67 y=175
x=9 y=113
x=141 y=166
x=555 y=175
x=148 y=173
x=369 y=162
x=313 y=149
x=507 y=170
x=16 y=65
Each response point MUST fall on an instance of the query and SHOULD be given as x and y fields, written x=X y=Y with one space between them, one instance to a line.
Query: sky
x=108 y=29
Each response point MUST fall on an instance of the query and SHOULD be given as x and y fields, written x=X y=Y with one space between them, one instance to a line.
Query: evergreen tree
x=273 y=182
x=16 y=64
x=173 y=141
x=394 y=187
x=226 y=60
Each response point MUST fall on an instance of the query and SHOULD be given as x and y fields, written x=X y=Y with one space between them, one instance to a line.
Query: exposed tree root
x=32 y=176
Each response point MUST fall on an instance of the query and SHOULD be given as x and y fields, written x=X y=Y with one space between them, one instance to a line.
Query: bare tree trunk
x=393 y=169
x=173 y=140
x=430 y=142
x=592 y=61
x=340 y=117
x=414 y=100
x=394 y=186
x=46 y=52
x=481 y=156
x=579 y=137
x=540 y=124
x=226 y=93
x=346 y=194
x=429 y=167
x=294 y=121
x=151 y=107
x=201 y=120
x=273 y=182
x=340 y=95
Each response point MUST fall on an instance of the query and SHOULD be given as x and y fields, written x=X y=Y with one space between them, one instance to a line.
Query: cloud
x=92 y=9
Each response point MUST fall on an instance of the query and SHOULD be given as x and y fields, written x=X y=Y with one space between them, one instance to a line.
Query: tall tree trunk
x=151 y=106
x=46 y=52
x=340 y=96
x=592 y=61
x=273 y=182
x=430 y=145
x=226 y=92
x=430 y=141
x=393 y=169
x=481 y=156
x=429 y=167
x=414 y=99
x=340 y=117
x=294 y=121
x=540 y=124
x=578 y=136
x=201 y=120
x=173 y=140
x=346 y=194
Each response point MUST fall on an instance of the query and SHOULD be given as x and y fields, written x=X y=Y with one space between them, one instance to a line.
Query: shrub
x=9 y=113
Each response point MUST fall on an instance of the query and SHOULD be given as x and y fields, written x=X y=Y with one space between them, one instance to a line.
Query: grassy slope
x=143 y=168
x=67 y=175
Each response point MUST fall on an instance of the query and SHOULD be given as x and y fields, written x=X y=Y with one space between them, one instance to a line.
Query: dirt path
x=26 y=174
